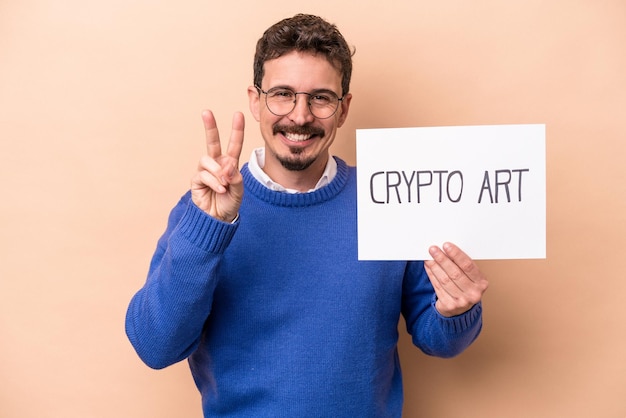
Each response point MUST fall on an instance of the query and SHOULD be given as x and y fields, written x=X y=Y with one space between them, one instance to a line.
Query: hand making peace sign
x=217 y=187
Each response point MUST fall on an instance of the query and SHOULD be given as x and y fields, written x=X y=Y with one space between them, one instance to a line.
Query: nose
x=301 y=113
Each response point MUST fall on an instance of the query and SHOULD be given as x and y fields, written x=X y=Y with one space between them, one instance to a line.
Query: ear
x=254 y=101
x=344 y=108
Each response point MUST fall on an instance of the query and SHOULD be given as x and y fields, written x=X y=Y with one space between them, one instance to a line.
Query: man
x=256 y=279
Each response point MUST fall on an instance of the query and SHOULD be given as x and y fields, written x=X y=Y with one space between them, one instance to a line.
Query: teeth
x=296 y=137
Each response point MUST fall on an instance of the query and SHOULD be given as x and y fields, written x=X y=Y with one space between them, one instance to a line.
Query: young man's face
x=298 y=141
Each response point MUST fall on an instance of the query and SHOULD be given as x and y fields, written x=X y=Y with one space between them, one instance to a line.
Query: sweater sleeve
x=165 y=317
x=431 y=332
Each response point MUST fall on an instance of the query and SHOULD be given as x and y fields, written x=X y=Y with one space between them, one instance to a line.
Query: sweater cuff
x=460 y=323
x=206 y=232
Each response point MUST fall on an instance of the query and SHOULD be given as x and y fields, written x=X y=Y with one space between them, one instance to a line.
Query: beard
x=296 y=161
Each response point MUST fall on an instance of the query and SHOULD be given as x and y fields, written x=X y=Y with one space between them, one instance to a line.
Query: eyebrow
x=321 y=90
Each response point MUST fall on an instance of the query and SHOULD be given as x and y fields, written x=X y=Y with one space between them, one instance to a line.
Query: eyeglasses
x=281 y=101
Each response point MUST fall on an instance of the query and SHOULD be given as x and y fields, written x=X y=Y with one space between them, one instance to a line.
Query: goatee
x=293 y=162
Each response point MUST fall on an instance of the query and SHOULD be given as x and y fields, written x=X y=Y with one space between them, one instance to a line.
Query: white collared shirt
x=257 y=162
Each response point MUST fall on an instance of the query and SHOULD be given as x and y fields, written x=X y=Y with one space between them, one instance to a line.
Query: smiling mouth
x=298 y=133
x=297 y=137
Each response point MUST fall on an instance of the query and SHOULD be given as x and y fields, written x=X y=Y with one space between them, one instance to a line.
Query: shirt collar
x=257 y=162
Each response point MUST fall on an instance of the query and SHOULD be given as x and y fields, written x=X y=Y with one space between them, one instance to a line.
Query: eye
x=321 y=99
x=282 y=94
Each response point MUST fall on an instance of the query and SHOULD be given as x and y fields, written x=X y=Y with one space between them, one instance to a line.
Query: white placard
x=480 y=187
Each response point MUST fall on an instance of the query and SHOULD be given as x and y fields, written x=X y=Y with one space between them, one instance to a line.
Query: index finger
x=235 y=143
x=213 y=146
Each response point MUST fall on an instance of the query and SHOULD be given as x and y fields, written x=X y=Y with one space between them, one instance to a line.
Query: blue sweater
x=276 y=315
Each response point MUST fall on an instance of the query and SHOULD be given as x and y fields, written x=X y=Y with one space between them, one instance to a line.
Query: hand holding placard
x=458 y=282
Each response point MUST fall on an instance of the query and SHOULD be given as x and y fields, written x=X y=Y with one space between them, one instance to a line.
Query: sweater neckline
x=252 y=186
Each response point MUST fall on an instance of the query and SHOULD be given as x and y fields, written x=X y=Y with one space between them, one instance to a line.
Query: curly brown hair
x=304 y=33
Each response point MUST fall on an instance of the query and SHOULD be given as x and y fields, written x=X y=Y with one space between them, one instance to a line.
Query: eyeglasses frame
x=295 y=101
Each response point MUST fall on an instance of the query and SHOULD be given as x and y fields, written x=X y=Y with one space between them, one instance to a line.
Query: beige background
x=100 y=131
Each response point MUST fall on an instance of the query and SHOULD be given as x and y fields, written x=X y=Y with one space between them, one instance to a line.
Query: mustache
x=298 y=129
